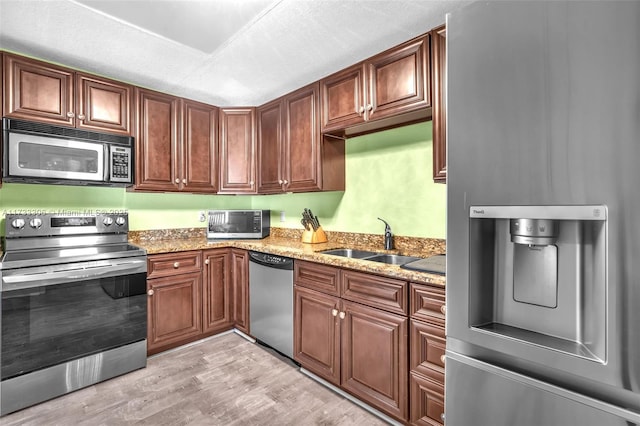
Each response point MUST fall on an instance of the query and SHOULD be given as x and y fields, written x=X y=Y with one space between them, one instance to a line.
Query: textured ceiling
x=223 y=52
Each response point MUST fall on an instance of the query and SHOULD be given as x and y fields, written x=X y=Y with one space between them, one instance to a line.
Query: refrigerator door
x=543 y=114
x=492 y=396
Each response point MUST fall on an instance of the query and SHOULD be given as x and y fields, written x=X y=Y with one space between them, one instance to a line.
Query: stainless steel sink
x=353 y=253
x=392 y=259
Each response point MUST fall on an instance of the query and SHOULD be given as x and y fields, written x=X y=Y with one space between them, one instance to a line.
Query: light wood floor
x=225 y=380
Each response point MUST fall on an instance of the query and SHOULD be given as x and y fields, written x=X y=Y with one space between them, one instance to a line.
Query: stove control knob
x=120 y=221
x=107 y=221
x=35 y=223
x=17 y=223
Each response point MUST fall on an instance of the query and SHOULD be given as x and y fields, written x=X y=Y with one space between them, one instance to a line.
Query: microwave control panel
x=120 y=164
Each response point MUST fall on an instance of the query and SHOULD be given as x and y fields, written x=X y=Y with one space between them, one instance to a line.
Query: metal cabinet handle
x=342 y=315
x=184 y=181
x=81 y=116
x=286 y=182
x=176 y=265
x=150 y=292
x=251 y=183
x=442 y=358
x=369 y=107
x=361 y=109
x=442 y=417
x=177 y=180
x=443 y=309
x=334 y=312
x=206 y=261
x=70 y=114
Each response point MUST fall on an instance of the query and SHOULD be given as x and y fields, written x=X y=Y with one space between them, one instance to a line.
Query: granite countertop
x=281 y=243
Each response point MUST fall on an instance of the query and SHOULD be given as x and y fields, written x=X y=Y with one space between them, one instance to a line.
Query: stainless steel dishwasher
x=271 y=301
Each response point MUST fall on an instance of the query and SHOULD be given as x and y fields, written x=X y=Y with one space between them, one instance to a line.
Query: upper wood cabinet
x=237 y=151
x=199 y=148
x=157 y=141
x=38 y=91
x=391 y=83
x=291 y=151
x=439 y=84
x=176 y=145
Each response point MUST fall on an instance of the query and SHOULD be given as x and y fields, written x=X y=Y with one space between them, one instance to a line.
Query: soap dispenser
x=388 y=236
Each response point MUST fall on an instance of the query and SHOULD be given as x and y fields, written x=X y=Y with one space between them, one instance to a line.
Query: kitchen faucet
x=388 y=236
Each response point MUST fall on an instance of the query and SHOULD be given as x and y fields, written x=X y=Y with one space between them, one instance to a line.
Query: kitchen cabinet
x=391 y=83
x=198 y=154
x=439 y=113
x=174 y=285
x=156 y=141
x=176 y=145
x=292 y=154
x=190 y=297
x=237 y=151
x=38 y=91
x=354 y=345
x=427 y=354
x=240 y=289
x=217 y=294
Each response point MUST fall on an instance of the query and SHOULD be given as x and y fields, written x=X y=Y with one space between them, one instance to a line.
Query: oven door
x=58 y=313
x=38 y=157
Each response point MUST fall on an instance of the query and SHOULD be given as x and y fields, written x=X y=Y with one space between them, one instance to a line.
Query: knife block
x=314 y=237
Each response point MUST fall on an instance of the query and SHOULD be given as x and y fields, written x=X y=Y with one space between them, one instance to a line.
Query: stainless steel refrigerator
x=543 y=222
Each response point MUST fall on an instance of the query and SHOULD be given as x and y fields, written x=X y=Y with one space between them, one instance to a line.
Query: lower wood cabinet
x=190 y=297
x=240 y=289
x=360 y=348
x=427 y=354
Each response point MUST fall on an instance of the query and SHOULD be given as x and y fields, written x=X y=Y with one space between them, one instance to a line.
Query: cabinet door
x=173 y=310
x=37 y=91
x=427 y=401
x=399 y=80
x=240 y=288
x=374 y=358
x=343 y=99
x=237 y=151
x=439 y=83
x=316 y=333
x=199 y=148
x=103 y=105
x=303 y=171
x=270 y=148
x=216 y=294
x=428 y=347
x=157 y=141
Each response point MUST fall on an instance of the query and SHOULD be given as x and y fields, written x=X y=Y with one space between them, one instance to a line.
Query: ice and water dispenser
x=538 y=275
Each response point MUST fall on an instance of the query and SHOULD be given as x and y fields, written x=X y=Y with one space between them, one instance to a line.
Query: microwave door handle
x=107 y=163
x=20 y=282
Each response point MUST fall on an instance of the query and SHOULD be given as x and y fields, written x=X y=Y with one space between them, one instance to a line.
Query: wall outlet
x=282 y=216
x=202 y=216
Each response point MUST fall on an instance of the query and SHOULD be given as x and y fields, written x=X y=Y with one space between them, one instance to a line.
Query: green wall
x=388 y=175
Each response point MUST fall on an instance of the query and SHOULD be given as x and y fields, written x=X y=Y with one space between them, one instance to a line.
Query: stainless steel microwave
x=42 y=153
x=239 y=224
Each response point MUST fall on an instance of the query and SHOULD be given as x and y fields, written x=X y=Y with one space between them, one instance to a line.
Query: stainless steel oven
x=74 y=305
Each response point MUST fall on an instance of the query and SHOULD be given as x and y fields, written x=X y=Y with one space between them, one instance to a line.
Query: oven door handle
x=44 y=279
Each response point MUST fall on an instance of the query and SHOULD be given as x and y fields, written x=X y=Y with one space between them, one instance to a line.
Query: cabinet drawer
x=428 y=303
x=427 y=350
x=380 y=292
x=317 y=277
x=163 y=265
x=427 y=401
